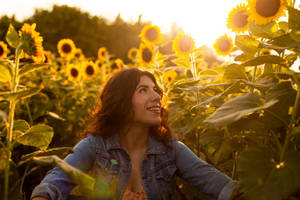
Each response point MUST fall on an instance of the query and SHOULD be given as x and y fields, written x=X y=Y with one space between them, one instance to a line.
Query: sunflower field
x=242 y=116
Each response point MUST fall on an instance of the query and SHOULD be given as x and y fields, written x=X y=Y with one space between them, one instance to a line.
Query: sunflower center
x=74 y=72
x=114 y=66
x=66 y=48
x=77 y=55
x=169 y=79
x=90 y=70
x=185 y=44
x=224 y=44
x=267 y=8
x=99 y=64
x=240 y=19
x=1 y=51
x=152 y=34
x=147 y=55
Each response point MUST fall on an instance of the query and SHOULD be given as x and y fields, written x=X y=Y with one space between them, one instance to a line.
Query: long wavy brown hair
x=114 y=109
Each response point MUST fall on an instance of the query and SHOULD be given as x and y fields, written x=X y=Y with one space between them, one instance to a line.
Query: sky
x=204 y=20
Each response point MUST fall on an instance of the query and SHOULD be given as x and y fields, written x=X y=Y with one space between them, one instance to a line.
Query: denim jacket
x=159 y=168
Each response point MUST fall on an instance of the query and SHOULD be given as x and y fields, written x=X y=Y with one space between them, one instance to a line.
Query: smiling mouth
x=155 y=109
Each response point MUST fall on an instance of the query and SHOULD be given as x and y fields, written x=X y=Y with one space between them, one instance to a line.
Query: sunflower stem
x=292 y=121
x=9 y=136
x=253 y=78
x=194 y=72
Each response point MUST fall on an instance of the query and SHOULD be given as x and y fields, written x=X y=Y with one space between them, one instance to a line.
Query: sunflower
x=223 y=45
x=151 y=34
x=169 y=76
x=3 y=50
x=78 y=53
x=264 y=11
x=32 y=42
x=133 y=53
x=66 y=48
x=146 y=55
x=238 y=19
x=89 y=69
x=102 y=53
x=73 y=72
x=183 y=44
x=116 y=65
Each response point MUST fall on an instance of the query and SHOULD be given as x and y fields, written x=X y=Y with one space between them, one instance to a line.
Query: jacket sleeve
x=56 y=185
x=201 y=175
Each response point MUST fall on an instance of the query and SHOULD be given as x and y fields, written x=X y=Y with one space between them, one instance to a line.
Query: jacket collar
x=153 y=146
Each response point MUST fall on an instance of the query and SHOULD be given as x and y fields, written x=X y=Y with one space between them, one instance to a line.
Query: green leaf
x=182 y=62
x=266 y=31
x=3 y=158
x=283 y=26
x=201 y=88
x=285 y=41
x=59 y=151
x=236 y=108
x=295 y=35
x=294 y=16
x=264 y=178
x=86 y=182
x=6 y=73
x=234 y=71
x=21 y=94
x=21 y=125
x=247 y=44
x=263 y=60
x=38 y=136
x=12 y=37
x=30 y=68
x=243 y=57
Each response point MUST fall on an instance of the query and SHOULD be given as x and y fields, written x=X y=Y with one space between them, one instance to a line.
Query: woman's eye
x=143 y=90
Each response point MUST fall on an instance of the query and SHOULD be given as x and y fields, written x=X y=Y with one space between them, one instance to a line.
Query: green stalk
x=194 y=72
x=292 y=121
x=253 y=78
x=9 y=136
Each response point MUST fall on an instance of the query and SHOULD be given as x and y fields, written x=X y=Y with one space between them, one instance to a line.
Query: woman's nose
x=156 y=96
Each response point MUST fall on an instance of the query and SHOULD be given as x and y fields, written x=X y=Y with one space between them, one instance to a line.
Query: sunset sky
x=204 y=20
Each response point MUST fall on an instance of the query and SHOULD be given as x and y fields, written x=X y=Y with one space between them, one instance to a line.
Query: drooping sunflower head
x=116 y=65
x=169 y=76
x=151 y=34
x=146 y=55
x=66 y=48
x=264 y=11
x=183 y=44
x=89 y=69
x=73 y=72
x=102 y=53
x=3 y=50
x=31 y=41
x=133 y=53
x=238 y=19
x=223 y=45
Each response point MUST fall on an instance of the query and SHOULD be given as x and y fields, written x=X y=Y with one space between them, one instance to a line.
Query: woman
x=130 y=140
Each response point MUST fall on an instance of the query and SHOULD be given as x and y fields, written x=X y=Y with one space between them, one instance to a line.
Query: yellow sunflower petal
x=183 y=44
x=238 y=19
x=102 y=53
x=169 y=76
x=3 y=50
x=151 y=34
x=73 y=72
x=223 y=45
x=264 y=11
x=32 y=42
x=89 y=70
x=146 y=55
x=66 y=48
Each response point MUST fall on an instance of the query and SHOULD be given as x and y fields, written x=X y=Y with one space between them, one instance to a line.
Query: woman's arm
x=56 y=185
x=201 y=175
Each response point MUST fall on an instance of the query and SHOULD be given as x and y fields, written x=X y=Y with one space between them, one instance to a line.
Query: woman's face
x=146 y=103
